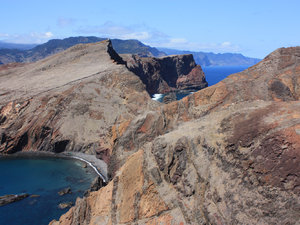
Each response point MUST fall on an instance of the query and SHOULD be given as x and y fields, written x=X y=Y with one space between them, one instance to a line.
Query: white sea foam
x=157 y=97
x=91 y=165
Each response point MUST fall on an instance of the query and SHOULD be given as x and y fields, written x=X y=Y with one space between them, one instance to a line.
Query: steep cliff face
x=194 y=80
x=165 y=74
x=68 y=101
x=228 y=154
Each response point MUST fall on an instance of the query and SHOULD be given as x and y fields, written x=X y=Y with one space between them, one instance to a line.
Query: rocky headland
x=168 y=73
x=227 y=154
x=68 y=101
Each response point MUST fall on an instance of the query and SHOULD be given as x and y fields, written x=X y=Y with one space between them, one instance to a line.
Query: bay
x=44 y=177
x=213 y=74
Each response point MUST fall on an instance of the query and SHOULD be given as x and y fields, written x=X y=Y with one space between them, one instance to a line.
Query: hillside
x=212 y=59
x=57 y=45
x=227 y=154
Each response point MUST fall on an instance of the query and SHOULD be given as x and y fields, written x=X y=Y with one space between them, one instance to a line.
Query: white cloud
x=184 y=44
x=3 y=35
x=226 y=44
x=48 y=34
x=137 y=35
x=155 y=38
x=33 y=37
x=113 y=30
x=178 y=41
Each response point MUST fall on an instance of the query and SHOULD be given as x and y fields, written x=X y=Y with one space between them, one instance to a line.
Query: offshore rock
x=6 y=199
x=65 y=205
x=228 y=154
x=65 y=191
x=169 y=73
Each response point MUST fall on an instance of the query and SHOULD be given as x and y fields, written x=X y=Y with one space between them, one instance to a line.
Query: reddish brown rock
x=228 y=154
x=128 y=198
x=169 y=73
x=55 y=104
x=194 y=80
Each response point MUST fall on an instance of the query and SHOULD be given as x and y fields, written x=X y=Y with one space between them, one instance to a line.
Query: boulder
x=65 y=205
x=65 y=191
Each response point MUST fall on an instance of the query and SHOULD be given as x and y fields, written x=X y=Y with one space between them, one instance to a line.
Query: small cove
x=45 y=177
x=213 y=74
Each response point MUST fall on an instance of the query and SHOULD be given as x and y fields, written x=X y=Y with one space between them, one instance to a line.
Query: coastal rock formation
x=65 y=205
x=6 y=199
x=227 y=154
x=194 y=80
x=65 y=191
x=169 y=73
x=68 y=101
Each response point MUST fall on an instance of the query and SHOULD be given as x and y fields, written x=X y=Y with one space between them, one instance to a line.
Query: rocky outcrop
x=65 y=205
x=165 y=74
x=194 y=80
x=68 y=101
x=228 y=154
x=65 y=191
x=7 y=199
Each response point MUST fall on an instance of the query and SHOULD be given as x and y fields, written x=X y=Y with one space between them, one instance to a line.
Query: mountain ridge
x=23 y=53
x=215 y=59
x=54 y=46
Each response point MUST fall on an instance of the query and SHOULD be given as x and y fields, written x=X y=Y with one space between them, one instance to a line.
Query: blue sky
x=251 y=27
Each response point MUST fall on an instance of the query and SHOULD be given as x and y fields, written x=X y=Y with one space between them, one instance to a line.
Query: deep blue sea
x=44 y=177
x=213 y=74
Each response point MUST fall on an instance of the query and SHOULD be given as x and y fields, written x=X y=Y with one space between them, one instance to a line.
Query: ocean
x=213 y=74
x=44 y=177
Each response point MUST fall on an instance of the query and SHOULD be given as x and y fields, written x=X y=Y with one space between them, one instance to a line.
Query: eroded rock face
x=228 y=154
x=169 y=73
x=68 y=101
x=194 y=80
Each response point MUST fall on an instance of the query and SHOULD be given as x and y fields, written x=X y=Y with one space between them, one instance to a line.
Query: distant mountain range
x=10 y=52
x=212 y=59
x=16 y=46
x=20 y=53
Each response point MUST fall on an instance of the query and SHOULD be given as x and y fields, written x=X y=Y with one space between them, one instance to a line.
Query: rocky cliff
x=68 y=101
x=228 y=154
x=169 y=73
